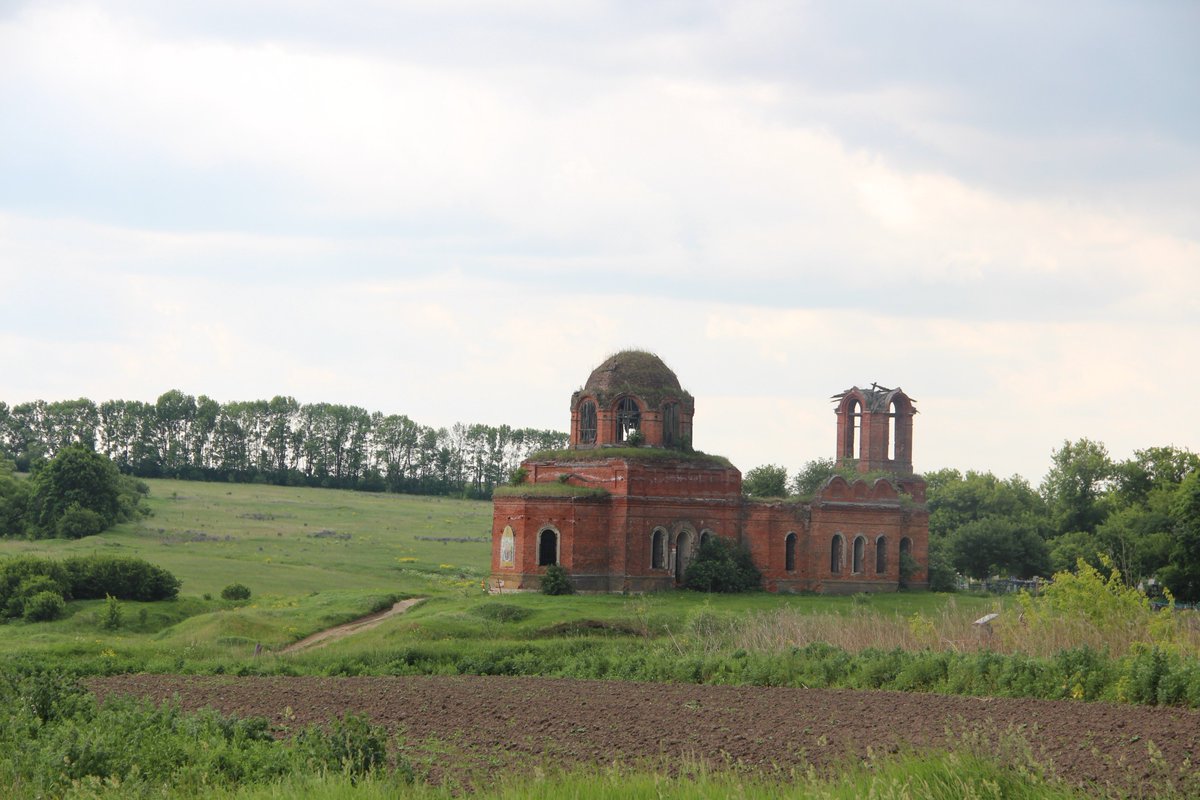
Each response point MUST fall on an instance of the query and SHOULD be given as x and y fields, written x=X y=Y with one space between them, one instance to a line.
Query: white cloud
x=645 y=175
x=464 y=237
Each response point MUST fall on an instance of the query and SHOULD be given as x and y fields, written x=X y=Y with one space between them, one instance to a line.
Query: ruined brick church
x=626 y=507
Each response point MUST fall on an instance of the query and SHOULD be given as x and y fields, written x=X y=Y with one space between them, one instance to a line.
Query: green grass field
x=312 y=558
x=290 y=541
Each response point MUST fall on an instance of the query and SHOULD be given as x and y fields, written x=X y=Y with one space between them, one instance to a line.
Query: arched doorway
x=658 y=549
x=547 y=547
x=685 y=551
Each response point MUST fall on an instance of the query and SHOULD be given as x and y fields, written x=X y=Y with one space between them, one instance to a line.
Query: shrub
x=110 y=618
x=44 y=606
x=556 y=581
x=24 y=576
x=82 y=578
x=77 y=522
x=124 y=577
x=941 y=571
x=351 y=745
x=235 y=591
x=130 y=492
x=17 y=603
x=39 y=583
x=722 y=566
x=502 y=612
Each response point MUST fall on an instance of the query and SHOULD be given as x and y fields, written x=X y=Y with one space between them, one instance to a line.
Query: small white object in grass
x=985 y=619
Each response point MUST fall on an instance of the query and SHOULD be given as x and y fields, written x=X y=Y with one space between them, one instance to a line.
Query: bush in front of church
x=555 y=581
x=722 y=566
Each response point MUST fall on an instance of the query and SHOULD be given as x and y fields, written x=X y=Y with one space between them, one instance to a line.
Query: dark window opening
x=881 y=555
x=658 y=549
x=704 y=536
x=860 y=546
x=835 y=554
x=789 y=552
x=671 y=425
x=547 y=548
x=587 y=422
x=906 y=546
x=629 y=418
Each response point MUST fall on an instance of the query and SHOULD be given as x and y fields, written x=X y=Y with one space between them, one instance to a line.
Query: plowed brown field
x=461 y=725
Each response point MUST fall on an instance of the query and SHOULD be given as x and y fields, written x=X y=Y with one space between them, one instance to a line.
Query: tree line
x=276 y=441
x=1141 y=515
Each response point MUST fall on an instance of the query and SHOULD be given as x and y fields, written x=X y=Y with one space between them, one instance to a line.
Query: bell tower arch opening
x=587 y=422
x=629 y=419
x=851 y=440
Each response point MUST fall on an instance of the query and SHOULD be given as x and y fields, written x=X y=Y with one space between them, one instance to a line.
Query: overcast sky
x=455 y=209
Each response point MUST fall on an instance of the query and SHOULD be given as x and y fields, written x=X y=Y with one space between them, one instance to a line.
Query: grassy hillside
x=312 y=558
x=290 y=541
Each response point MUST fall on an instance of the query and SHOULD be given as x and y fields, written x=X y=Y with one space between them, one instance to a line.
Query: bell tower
x=874 y=429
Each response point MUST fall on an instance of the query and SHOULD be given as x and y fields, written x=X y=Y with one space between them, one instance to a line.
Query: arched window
x=547 y=547
x=587 y=422
x=671 y=425
x=860 y=546
x=658 y=549
x=629 y=418
x=853 y=440
x=881 y=555
x=705 y=535
x=789 y=552
x=837 y=554
x=905 y=547
x=893 y=415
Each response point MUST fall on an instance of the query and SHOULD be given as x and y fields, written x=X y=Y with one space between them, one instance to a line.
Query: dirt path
x=470 y=725
x=322 y=638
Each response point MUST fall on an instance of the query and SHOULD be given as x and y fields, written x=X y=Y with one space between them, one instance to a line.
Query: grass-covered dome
x=635 y=372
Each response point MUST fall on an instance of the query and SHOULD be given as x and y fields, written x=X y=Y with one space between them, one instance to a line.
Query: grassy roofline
x=630 y=454
x=551 y=489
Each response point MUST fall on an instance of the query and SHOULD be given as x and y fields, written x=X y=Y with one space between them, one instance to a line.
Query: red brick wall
x=605 y=542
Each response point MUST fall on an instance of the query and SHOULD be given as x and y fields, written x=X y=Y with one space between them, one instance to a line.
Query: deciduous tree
x=76 y=478
x=1080 y=474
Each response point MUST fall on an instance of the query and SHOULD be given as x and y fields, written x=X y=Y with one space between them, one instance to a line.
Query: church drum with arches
x=626 y=507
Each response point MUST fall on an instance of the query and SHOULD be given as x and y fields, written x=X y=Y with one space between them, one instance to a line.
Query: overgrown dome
x=635 y=372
